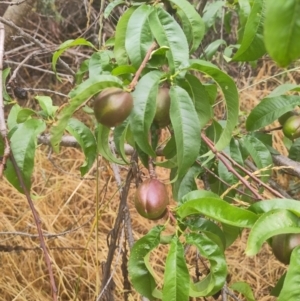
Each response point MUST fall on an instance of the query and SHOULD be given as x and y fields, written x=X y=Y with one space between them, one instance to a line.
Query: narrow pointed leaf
x=86 y=140
x=23 y=144
x=231 y=97
x=176 y=276
x=46 y=105
x=78 y=96
x=215 y=280
x=109 y=8
x=120 y=37
x=218 y=210
x=282 y=24
x=167 y=32
x=138 y=35
x=186 y=127
x=252 y=47
x=269 y=110
x=103 y=145
x=268 y=205
x=290 y=289
x=260 y=155
x=196 y=23
x=139 y=274
x=66 y=45
x=200 y=98
x=120 y=133
x=142 y=115
x=274 y=222
x=243 y=288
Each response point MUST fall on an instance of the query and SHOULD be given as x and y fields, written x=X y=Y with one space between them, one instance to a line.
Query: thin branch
x=114 y=235
x=3 y=130
x=38 y=225
x=34 y=40
x=247 y=172
x=38 y=69
x=46 y=91
x=12 y=3
x=272 y=183
x=229 y=167
x=142 y=66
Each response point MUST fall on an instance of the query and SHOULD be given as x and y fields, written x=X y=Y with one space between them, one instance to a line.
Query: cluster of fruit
x=111 y=107
x=290 y=122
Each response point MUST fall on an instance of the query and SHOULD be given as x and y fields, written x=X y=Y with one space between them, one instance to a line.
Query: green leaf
x=176 y=276
x=103 y=145
x=216 y=278
x=289 y=291
x=186 y=127
x=279 y=90
x=12 y=116
x=252 y=46
x=78 y=96
x=23 y=145
x=218 y=210
x=24 y=114
x=209 y=228
x=138 y=35
x=200 y=98
x=120 y=134
x=260 y=155
x=5 y=74
x=268 y=205
x=120 y=37
x=46 y=105
x=231 y=234
x=230 y=93
x=140 y=276
x=66 y=45
x=243 y=288
x=167 y=32
x=124 y=69
x=223 y=171
x=294 y=151
x=143 y=112
x=86 y=140
x=211 y=49
x=282 y=24
x=187 y=183
x=271 y=223
x=109 y=8
x=99 y=62
x=269 y=110
x=197 y=25
x=211 y=12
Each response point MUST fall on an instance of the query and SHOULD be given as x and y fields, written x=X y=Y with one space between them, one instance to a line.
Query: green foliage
x=158 y=44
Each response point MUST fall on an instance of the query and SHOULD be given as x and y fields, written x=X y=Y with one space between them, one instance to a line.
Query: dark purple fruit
x=282 y=119
x=283 y=245
x=291 y=127
x=151 y=199
x=163 y=102
x=112 y=106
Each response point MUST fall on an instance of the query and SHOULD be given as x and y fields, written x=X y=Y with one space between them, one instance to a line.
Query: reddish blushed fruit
x=163 y=102
x=112 y=106
x=151 y=199
x=283 y=245
x=291 y=127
